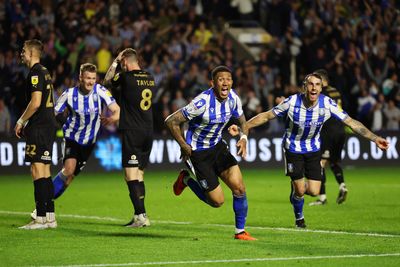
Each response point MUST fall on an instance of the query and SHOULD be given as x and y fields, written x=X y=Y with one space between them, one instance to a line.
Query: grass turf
x=186 y=232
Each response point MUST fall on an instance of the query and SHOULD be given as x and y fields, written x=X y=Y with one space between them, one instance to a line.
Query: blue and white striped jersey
x=83 y=122
x=303 y=125
x=208 y=117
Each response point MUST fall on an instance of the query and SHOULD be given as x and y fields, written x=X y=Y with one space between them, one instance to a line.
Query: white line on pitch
x=216 y=225
x=234 y=260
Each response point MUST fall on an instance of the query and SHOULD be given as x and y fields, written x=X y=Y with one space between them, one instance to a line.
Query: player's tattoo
x=359 y=128
x=109 y=75
x=242 y=128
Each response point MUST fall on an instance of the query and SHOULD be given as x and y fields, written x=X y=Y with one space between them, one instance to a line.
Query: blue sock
x=297 y=203
x=196 y=188
x=59 y=184
x=240 y=208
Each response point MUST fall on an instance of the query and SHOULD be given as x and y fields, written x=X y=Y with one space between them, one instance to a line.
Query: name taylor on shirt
x=145 y=83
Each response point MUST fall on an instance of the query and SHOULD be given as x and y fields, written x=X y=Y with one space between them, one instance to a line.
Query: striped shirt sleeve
x=195 y=108
x=105 y=95
x=61 y=102
x=281 y=109
x=336 y=111
x=238 y=110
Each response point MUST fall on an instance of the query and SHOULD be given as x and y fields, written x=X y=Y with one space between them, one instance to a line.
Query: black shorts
x=136 y=147
x=39 y=144
x=332 y=145
x=74 y=150
x=306 y=165
x=210 y=163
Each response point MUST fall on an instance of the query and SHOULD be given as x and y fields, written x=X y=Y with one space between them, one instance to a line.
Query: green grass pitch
x=363 y=231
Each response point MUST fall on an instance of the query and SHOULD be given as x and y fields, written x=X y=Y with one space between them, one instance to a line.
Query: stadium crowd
x=181 y=41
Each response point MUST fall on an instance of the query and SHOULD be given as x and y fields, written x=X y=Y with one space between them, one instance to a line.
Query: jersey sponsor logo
x=46 y=155
x=309 y=123
x=108 y=93
x=91 y=110
x=133 y=160
x=35 y=80
x=222 y=119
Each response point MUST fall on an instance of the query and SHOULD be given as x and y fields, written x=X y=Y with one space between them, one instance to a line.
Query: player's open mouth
x=224 y=91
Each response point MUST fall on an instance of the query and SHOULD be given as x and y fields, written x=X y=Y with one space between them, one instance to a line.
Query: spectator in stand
x=392 y=114
x=5 y=119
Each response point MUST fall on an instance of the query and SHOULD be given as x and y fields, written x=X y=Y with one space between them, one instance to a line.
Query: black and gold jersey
x=333 y=124
x=39 y=79
x=137 y=89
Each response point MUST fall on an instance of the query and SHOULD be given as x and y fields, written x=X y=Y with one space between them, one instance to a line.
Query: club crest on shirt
x=212 y=110
x=321 y=112
x=35 y=80
x=231 y=103
x=297 y=110
x=116 y=77
x=200 y=103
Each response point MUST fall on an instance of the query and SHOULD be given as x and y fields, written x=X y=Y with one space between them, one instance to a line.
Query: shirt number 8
x=145 y=103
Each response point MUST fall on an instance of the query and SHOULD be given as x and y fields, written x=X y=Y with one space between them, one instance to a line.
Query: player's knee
x=300 y=192
x=68 y=171
x=216 y=204
x=239 y=191
x=335 y=167
x=313 y=192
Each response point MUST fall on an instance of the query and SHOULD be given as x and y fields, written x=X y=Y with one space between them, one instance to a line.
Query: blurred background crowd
x=180 y=41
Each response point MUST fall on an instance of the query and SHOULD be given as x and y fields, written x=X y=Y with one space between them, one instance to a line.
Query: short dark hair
x=87 y=67
x=311 y=75
x=218 y=69
x=35 y=44
x=323 y=74
x=130 y=53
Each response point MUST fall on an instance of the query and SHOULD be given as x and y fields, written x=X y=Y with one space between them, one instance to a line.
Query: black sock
x=137 y=194
x=50 y=195
x=40 y=187
x=338 y=172
x=322 y=189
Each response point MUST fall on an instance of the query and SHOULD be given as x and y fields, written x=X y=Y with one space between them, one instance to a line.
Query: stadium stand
x=358 y=42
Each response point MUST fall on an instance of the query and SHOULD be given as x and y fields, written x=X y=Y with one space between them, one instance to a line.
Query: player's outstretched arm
x=359 y=128
x=242 y=143
x=259 y=119
x=173 y=123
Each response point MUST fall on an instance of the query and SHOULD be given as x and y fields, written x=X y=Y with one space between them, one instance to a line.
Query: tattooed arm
x=111 y=70
x=257 y=120
x=173 y=123
x=359 y=128
x=242 y=143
